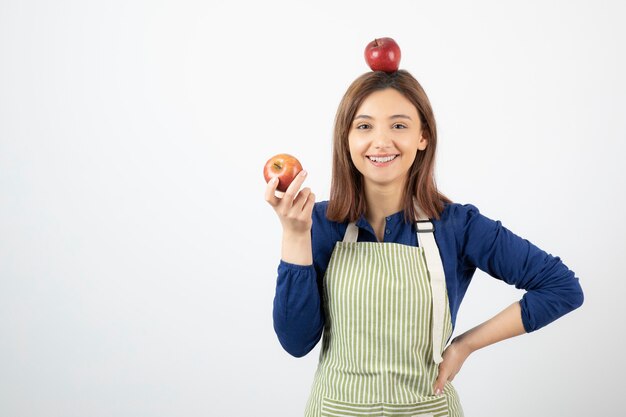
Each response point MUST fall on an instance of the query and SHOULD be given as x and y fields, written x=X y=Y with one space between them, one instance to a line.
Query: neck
x=382 y=202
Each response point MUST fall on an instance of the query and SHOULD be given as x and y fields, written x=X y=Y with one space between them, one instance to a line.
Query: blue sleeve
x=298 y=320
x=552 y=290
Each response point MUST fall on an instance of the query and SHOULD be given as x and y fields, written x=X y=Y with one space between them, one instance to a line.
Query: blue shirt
x=466 y=239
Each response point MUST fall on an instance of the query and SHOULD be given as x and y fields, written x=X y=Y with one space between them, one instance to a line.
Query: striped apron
x=387 y=320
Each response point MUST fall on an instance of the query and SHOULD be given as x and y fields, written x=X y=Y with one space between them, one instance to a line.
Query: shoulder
x=468 y=222
x=320 y=219
x=459 y=214
x=322 y=227
x=319 y=210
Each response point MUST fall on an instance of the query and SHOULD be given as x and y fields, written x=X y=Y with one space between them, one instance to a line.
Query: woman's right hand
x=295 y=207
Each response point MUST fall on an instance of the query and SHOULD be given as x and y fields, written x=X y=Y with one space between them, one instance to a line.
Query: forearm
x=296 y=248
x=506 y=324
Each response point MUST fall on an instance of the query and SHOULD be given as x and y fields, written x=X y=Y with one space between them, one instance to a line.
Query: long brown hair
x=347 y=197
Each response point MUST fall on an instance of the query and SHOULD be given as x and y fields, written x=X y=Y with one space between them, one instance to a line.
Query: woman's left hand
x=453 y=358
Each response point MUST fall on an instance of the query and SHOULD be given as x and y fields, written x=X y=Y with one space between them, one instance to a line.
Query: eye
x=399 y=126
x=362 y=126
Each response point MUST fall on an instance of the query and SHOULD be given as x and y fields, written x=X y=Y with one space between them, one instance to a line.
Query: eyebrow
x=395 y=116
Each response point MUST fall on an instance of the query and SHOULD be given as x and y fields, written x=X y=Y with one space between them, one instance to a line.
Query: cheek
x=356 y=145
x=410 y=158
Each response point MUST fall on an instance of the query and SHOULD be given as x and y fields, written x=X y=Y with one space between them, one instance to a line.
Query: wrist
x=296 y=236
x=296 y=248
x=463 y=343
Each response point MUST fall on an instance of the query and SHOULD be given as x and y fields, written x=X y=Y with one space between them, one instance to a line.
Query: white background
x=138 y=257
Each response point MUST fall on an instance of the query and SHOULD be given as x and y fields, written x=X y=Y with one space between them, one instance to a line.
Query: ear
x=423 y=141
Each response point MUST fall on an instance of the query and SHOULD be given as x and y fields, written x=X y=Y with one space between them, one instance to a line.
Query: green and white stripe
x=377 y=348
x=435 y=407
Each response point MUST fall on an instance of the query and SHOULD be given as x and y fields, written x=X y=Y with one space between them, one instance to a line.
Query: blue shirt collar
x=394 y=219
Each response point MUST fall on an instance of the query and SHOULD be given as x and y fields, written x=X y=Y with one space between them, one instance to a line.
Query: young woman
x=381 y=268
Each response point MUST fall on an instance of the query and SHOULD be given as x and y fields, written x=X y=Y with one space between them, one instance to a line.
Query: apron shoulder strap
x=352 y=233
x=426 y=239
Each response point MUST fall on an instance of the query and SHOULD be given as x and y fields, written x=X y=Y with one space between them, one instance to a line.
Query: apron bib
x=387 y=320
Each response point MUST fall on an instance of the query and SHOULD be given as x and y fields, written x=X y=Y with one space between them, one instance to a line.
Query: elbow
x=542 y=306
x=298 y=350
x=572 y=293
x=578 y=297
x=298 y=346
x=565 y=287
x=297 y=353
x=570 y=297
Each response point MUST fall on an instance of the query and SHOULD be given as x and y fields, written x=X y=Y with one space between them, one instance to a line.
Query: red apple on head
x=383 y=54
x=283 y=166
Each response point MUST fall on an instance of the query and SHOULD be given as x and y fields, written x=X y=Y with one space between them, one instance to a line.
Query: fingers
x=270 y=192
x=293 y=188
x=291 y=196
x=301 y=199
x=440 y=382
x=307 y=208
x=446 y=374
x=295 y=207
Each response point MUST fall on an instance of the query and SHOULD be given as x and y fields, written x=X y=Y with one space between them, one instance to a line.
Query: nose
x=382 y=141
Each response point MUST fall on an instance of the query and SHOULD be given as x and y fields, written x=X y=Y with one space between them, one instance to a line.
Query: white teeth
x=382 y=158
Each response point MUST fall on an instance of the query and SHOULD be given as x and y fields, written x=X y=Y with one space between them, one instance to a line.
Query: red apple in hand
x=383 y=54
x=283 y=166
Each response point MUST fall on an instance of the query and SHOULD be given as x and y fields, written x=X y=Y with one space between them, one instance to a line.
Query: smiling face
x=384 y=138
